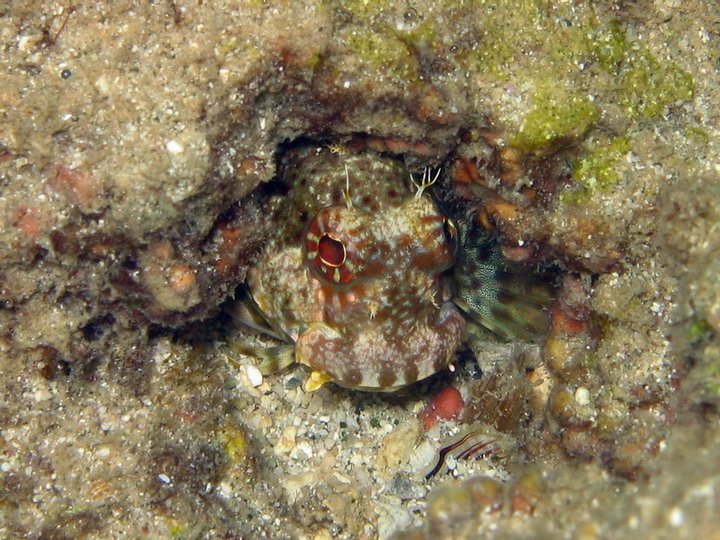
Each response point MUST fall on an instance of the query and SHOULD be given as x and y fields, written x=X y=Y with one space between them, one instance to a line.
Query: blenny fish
x=369 y=282
x=354 y=275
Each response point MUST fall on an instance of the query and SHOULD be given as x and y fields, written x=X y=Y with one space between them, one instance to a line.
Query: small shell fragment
x=254 y=376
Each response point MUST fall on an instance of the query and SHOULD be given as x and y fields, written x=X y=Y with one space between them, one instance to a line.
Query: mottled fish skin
x=508 y=299
x=357 y=282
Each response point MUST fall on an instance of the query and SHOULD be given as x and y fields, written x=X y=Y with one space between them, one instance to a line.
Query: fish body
x=355 y=273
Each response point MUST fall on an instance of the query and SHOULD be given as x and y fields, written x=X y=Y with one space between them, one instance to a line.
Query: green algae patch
x=176 y=531
x=648 y=86
x=383 y=52
x=235 y=442
x=608 y=46
x=699 y=329
x=597 y=170
x=559 y=37
x=366 y=10
x=558 y=116
x=529 y=39
x=706 y=374
x=571 y=54
x=421 y=36
x=697 y=134
x=508 y=27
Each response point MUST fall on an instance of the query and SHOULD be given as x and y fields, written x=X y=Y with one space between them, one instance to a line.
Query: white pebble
x=254 y=376
x=302 y=451
x=329 y=443
x=422 y=457
x=582 y=396
x=42 y=394
x=174 y=147
x=676 y=517
x=164 y=478
x=286 y=442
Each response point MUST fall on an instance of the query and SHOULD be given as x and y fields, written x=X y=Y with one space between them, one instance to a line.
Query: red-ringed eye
x=331 y=251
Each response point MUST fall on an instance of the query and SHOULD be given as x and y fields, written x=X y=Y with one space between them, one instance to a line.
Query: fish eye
x=328 y=251
x=331 y=251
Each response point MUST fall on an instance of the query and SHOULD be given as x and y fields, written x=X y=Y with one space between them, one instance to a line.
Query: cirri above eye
x=449 y=231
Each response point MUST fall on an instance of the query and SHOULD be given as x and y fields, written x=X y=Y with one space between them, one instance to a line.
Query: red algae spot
x=446 y=405
x=182 y=278
x=29 y=220
x=248 y=167
x=518 y=254
x=563 y=324
x=163 y=250
x=78 y=185
x=398 y=147
x=466 y=171
x=186 y=415
x=229 y=243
